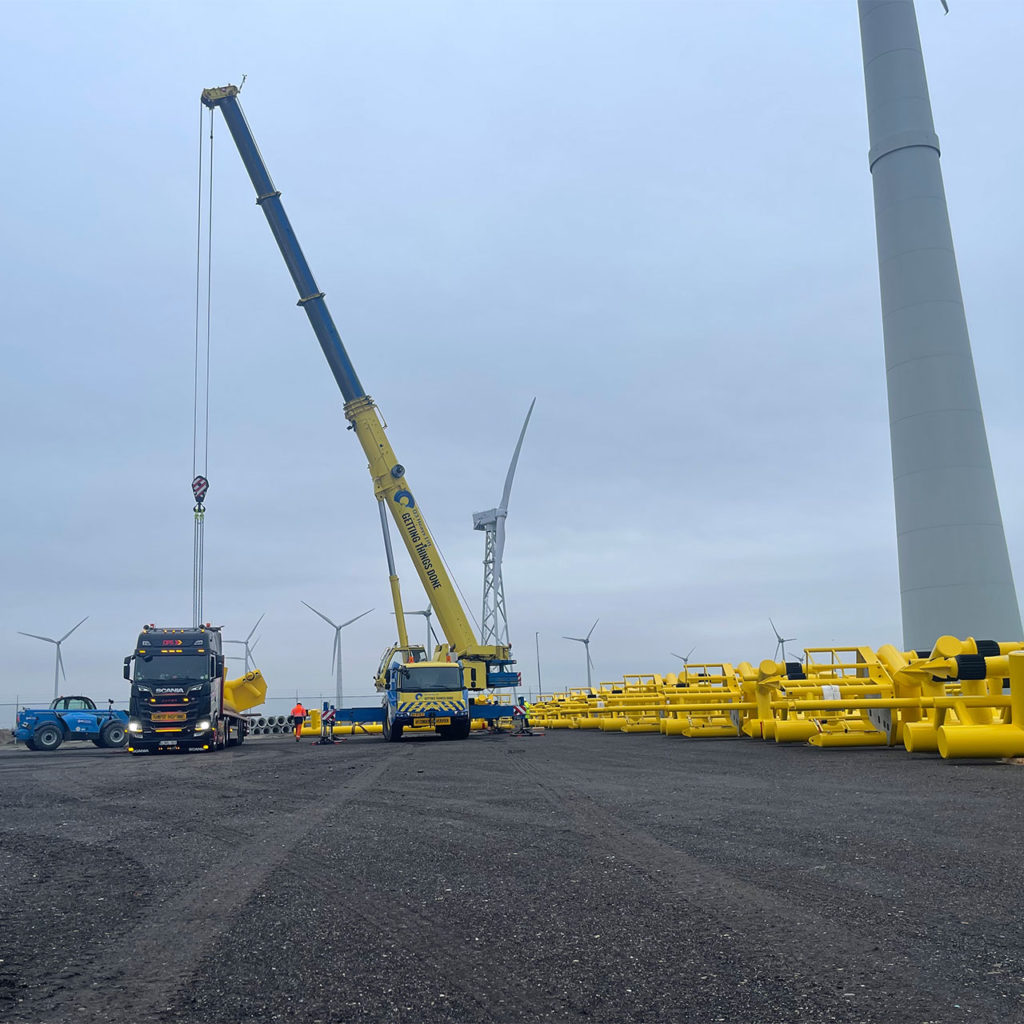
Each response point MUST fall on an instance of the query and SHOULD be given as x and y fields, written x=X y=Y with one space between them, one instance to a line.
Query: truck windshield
x=164 y=667
x=429 y=678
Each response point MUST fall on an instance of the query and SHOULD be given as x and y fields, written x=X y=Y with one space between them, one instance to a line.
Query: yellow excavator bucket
x=247 y=691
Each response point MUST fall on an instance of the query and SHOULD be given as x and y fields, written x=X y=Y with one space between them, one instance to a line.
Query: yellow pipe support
x=1006 y=740
x=248 y=691
x=980 y=741
x=848 y=739
x=794 y=730
x=709 y=731
x=640 y=727
x=920 y=737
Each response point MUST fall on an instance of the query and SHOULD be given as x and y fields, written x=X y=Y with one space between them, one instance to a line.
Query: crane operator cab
x=421 y=695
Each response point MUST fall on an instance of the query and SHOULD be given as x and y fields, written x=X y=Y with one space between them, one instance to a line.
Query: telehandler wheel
x=98 y=743
x=48 y=737
x=113 y=734
x=31 y=744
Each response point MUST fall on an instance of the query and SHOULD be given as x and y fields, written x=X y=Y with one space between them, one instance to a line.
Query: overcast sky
x=654 y=217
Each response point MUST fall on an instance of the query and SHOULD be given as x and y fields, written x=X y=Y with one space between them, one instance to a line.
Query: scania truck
x=178 y=699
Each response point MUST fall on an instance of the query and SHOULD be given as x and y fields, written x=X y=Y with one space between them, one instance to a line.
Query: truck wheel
x=98 y=743
x=392 y=731
x=113 y=734
x=31 y=744
x=459 y=731
x=48 y=737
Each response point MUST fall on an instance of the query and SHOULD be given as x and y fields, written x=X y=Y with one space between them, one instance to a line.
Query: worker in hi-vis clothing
x=298 y=716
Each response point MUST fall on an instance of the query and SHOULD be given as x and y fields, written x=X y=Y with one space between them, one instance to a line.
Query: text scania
x=421 y=549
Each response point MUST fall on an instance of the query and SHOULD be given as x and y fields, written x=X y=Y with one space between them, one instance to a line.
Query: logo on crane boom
x=405 y=499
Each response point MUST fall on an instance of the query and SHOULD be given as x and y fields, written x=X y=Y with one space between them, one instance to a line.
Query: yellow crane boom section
x=391 y=487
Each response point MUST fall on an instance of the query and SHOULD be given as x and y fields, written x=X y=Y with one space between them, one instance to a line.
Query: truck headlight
x=134 y=726
x=202 y=726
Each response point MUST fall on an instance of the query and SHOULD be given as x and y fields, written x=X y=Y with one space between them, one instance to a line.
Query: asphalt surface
x=569 y=877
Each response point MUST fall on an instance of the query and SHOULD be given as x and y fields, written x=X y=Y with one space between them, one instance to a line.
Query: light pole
x=540 y=685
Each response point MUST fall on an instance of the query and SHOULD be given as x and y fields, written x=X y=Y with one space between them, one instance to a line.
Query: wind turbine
x=58 y=670
x=685 y=659
x=430 y=629
x=336 y=650
x=494 y=621
x=585 y=640
x=248 y=647
x=781 y=642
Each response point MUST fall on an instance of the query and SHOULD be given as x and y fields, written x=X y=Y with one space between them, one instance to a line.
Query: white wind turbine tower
x=585 y=640
x=494 y=621
x=249 y=647
x=336 y=650
x=58 y=670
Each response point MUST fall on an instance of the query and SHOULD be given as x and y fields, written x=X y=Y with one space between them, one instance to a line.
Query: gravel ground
x=567 y=877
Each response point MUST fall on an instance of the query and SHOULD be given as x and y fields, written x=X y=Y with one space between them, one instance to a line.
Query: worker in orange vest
x=298 y=716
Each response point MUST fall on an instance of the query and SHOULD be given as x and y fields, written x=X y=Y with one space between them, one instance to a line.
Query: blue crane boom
x=269 y=199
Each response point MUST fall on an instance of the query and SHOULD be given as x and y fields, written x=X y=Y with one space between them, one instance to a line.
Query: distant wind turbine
x=781 y=642
x=248 y=646
x=58 y=670
x=585 y=640
x=336 y=651
x=494 y=621
x=684 y=658
x=426 y=613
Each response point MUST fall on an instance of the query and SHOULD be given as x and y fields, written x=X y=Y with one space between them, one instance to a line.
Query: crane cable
x=201 y=396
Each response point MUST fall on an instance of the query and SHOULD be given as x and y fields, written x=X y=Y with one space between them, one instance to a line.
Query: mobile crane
x=417 y=690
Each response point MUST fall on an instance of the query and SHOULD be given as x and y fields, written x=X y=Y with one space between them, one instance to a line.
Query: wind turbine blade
x=334 y=649
x=590 y=660
x=433 y=632
x=321 y=614
x=71 y=630
x=253 y=630
x=60 y=663
x=778 y=636
x=503 y=507
x=689 y=652
x=593 y=627
x=350 y=621
x=578 y=639
x=679 y=656
x=36 y=636
x=252 y=646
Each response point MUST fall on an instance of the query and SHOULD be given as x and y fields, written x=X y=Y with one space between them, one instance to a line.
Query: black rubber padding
x=970 y=666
